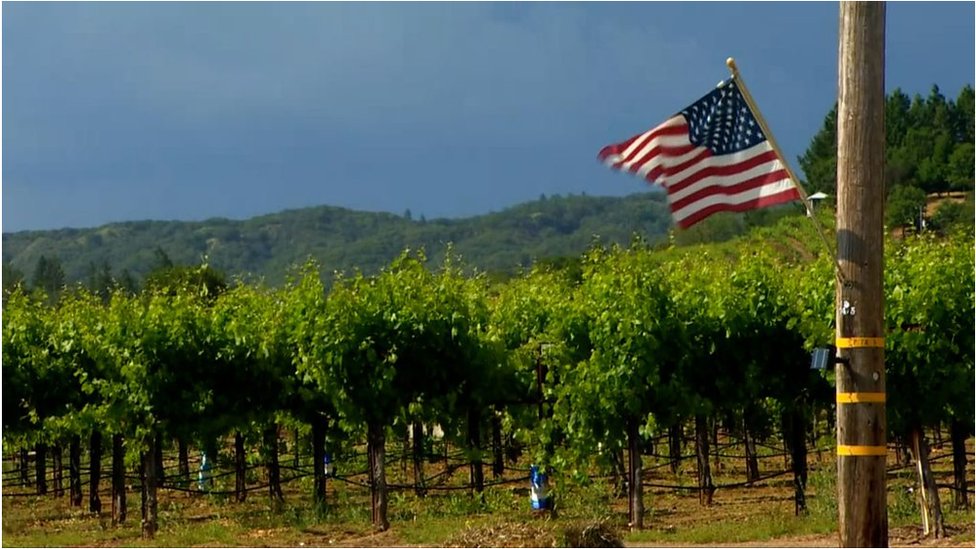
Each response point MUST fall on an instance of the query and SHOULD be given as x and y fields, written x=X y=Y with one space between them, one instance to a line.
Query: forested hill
x=342 y=239
x=930 y=150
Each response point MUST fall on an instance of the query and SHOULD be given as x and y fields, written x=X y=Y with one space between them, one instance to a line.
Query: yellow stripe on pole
x=859 y=342
x=845 y=450
x=854 y=398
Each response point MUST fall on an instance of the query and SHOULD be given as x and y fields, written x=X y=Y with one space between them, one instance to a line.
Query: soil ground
x=756 y=515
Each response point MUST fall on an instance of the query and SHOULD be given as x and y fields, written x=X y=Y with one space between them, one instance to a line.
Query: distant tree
x=897 y=121
x=128 y=282
x=900 y=168
x=959 y=171
x=100 y=281
x=951 y=214
x=819 y=162
x=904 y=206
x=161 y=259
x=49 y=277
x=938 y=108
x=917 y=111
x=12 y=277
x=963 y=116
x=933 y=169
x=930 y=141
x=407 y=215
x=911 y=157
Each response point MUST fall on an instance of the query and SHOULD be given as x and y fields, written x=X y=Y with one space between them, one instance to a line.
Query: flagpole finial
x=730 y=63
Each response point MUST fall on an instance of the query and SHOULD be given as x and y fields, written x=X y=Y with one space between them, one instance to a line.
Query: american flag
x=710 y=157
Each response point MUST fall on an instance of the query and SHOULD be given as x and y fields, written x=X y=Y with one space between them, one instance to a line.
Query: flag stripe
x=653 y=148
x=665 y=167
x=670 y=129
x=725 y=188
x=671 y=148
x=722 y=167
x=625 y=149
x=674 y=132
x=782 y=197
x=769 y=175
x=615 y=151
x=659 y=150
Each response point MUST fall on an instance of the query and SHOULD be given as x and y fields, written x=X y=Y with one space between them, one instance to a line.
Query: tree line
x=929 y=150
x=266 y=246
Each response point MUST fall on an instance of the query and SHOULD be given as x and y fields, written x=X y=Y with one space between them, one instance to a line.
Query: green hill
x=343 y=240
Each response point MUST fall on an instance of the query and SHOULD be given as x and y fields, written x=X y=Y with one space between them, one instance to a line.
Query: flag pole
x=730 y=62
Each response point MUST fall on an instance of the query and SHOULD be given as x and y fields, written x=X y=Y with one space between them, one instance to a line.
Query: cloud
x=360 y=67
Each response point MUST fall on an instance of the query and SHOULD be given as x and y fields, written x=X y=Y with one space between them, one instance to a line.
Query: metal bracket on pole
x=827 y=356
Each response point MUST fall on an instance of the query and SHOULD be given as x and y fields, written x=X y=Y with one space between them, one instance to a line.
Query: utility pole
x=861 y=426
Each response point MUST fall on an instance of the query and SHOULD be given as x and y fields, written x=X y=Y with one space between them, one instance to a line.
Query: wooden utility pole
x=861 y=437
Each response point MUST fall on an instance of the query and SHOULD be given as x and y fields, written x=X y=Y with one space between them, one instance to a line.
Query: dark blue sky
x=123 y=111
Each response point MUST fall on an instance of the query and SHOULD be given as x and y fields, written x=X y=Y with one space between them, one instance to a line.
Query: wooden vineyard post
x=74 y=470
x=376 y=450
x=240 y=468
x=118 y=480
x=319 y=428
x=635 y=496
x=861 y=444
x=95 y=471
x=418 y=458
